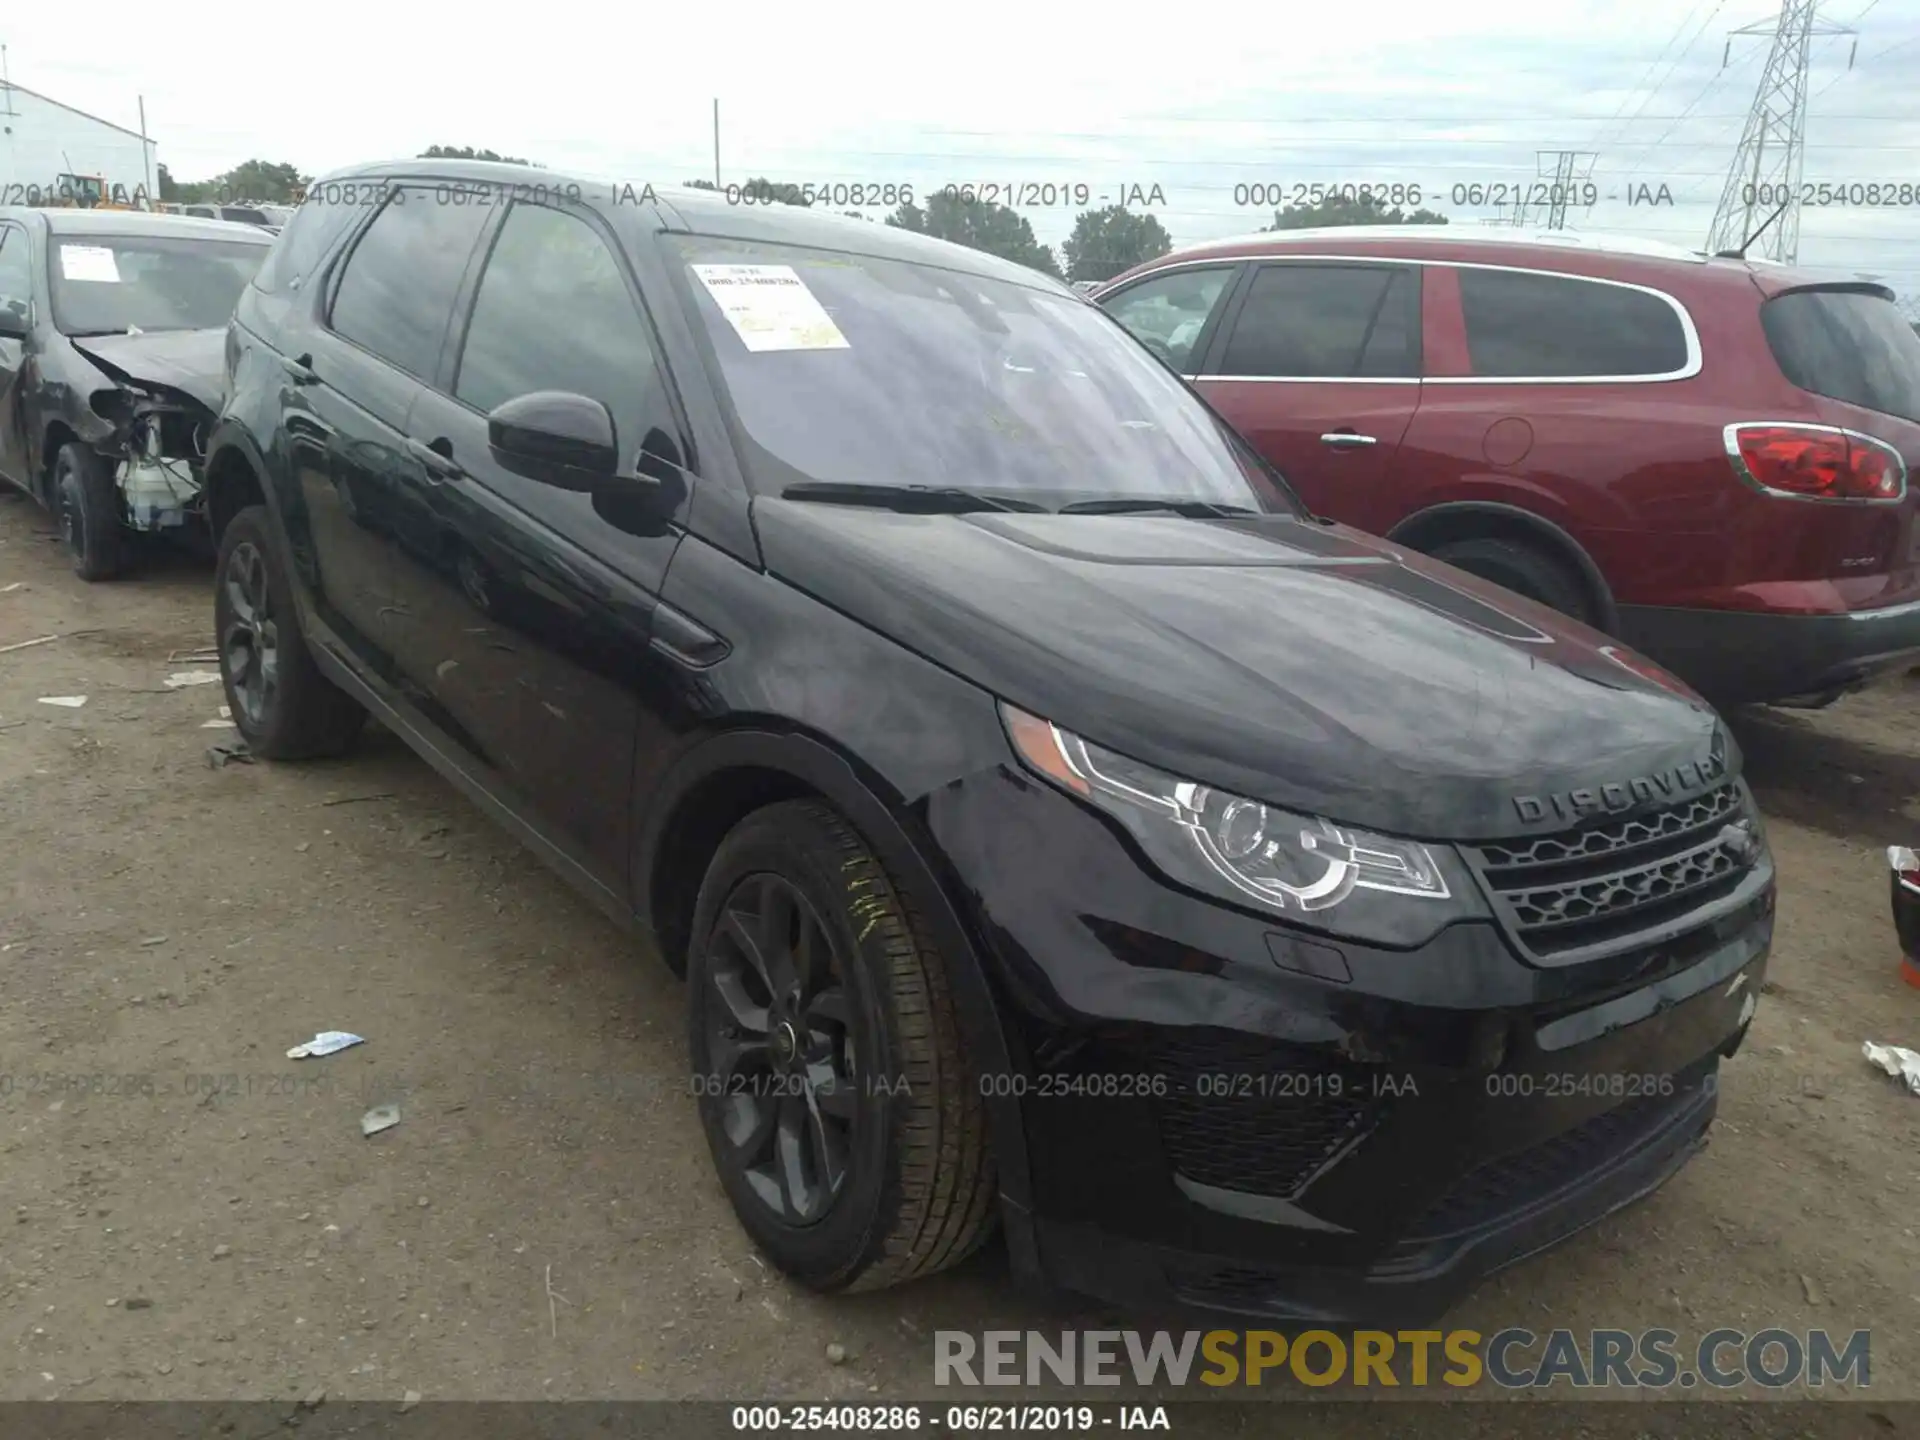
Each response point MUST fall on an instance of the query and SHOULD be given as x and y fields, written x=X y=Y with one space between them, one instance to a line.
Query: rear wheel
x=88 y=507
x=280 y=701
x=847 y=1130
x=1524 y=569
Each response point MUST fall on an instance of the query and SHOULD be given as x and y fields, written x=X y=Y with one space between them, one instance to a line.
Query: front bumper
x=1536 y=1203
x=1739 y=656
x=1223 y=1113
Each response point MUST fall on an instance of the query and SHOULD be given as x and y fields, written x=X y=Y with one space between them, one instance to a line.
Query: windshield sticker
x=89 y=262
x=770 y=307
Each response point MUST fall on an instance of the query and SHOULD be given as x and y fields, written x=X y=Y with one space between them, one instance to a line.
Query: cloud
x=1376 y=91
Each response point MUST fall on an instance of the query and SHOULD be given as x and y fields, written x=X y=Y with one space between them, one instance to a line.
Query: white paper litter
x=16 y=585
x=181 y=678
x=89 y=262
x=1898 y=1062
x=218 y=725
x=381 y=1117
x=327 y=1042
x=770 y=307
x=68 y=702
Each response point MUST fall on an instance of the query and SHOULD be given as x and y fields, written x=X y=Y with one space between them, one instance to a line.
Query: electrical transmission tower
x=1564 y=171
x=1765 y=176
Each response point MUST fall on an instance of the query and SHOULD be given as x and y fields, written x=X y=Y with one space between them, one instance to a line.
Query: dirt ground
x=203 y=1218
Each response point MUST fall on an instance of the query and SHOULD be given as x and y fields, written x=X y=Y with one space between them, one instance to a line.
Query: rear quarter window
x=1849 y=345
x=1523 y=325
x=301 y=246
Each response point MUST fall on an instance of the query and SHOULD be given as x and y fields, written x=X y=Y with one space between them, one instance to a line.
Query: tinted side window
x=1169 y=311
x=553 y=312
x=16 y=269
x=396 y=294
x=303 y=244
x=1530 y=326
x=1315 y=322
x=1848 y=345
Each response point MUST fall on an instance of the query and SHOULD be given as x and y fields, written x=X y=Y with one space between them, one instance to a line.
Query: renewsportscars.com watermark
x=1510 y=1359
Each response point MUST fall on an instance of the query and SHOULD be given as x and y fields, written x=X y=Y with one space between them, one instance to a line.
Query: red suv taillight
x=1816 y=462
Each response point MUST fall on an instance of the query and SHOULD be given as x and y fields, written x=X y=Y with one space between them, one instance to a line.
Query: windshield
x=858 y=370
x=105 y=284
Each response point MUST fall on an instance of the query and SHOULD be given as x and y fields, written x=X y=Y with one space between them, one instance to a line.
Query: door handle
x=299 y=369
x=1347 y=439
x=436 y=458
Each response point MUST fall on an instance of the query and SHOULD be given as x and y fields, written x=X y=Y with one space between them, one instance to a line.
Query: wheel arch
x=732 y=774
x=1487 y=519
x=55 y=438
x=235 y=477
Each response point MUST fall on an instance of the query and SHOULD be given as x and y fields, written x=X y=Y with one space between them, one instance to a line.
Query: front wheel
x=846 y=1127
x=282 y=704
x=87 y=503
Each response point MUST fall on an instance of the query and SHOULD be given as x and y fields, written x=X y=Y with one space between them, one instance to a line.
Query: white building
x=41 y=139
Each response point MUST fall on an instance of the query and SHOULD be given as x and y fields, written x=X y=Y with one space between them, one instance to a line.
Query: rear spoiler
x=1797 y=282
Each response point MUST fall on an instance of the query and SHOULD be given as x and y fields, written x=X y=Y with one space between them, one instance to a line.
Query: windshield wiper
x=917 y=499
x=1149 y=504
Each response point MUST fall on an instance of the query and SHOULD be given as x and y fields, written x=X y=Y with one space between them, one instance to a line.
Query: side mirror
x=645 y=502
x=557 y=438
x=13 y=319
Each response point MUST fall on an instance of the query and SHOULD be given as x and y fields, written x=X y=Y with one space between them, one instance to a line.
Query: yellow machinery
x=89 y=192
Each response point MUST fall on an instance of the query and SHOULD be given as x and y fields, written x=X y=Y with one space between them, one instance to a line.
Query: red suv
x=1705 y=457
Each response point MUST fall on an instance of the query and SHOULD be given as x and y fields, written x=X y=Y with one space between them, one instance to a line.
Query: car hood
x=190 y=361
x=1300 y=663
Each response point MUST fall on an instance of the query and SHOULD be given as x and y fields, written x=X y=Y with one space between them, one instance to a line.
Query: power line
x=1900 y=45
x=1682 y=55
x=1660 y=139
x=1620 y=109
x=1115 y=164
x=1879 y=118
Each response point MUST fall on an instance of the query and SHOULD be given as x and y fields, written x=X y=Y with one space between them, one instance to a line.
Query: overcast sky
x=1196 y=102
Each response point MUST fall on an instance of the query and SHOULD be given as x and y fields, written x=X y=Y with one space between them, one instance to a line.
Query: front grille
x=1613 y=880
x=1514 y=1182
x=1242 y=1113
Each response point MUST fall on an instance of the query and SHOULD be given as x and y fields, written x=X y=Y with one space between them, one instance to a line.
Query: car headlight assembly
x=1316 y=873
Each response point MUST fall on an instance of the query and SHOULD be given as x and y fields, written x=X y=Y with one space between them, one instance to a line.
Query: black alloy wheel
x=782 y=1047
x=249 y=635
x=844 y=1118
x=283 y=705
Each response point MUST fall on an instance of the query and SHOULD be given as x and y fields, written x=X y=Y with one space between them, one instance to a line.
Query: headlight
x=1332 y=877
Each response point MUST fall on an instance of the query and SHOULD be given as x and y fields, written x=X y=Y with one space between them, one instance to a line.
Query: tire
x=888 y=1077
x=282 y=705
x=1525 y=569
x=87 y=504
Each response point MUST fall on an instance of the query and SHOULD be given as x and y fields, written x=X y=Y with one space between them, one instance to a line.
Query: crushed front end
x=160 y=475
x=158 y=394
x=157 y=448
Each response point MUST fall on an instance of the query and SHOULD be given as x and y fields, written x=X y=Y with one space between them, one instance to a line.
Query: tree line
x=1104 y=242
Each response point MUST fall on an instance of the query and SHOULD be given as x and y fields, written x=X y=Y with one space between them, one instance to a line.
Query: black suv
x=1055 y=823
